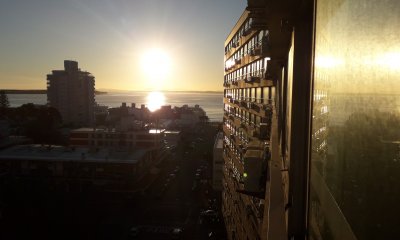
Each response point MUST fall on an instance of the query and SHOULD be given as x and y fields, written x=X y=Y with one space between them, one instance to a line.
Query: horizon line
x=119 y=90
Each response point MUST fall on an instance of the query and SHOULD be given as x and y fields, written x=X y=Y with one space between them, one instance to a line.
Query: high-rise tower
x=71 y=91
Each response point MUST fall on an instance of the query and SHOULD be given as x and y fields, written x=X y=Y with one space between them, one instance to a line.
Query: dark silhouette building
x=71 y=92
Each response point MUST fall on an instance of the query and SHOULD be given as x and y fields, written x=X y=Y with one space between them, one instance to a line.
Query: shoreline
x=38 y=91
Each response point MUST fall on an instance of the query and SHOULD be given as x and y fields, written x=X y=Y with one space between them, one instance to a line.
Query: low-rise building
x=191 y=116
x=73 y=168
x=117 y=140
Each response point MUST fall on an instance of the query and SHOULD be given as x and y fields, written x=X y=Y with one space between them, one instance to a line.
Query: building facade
x=311 y=119
x=248 y=97
x=118 y=140
x=77 y=168
x=71 y=91
x=218 y=161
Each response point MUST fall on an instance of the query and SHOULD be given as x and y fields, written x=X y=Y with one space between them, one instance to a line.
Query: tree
x=4 y=103
x=43 y=125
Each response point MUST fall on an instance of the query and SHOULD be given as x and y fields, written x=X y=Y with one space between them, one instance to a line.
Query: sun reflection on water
x=155 y=100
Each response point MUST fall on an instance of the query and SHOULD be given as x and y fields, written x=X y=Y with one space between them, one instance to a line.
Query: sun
x=155 y=100
x=156 y=65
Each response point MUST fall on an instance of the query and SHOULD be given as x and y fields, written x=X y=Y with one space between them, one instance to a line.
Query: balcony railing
x=235 y=44
x=252 y=79
x=246 y=32
x=255 y=107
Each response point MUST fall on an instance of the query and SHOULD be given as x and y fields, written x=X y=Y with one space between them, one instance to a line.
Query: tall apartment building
x=291 y=170
x=71 y=92
x=248 y=99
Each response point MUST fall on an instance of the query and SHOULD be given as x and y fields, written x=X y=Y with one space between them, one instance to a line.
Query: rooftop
x=113 y=130
x=61 y=153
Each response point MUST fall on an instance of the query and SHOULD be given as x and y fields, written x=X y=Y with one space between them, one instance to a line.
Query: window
x=355 y=161
x=266 y=95
x=258 y=95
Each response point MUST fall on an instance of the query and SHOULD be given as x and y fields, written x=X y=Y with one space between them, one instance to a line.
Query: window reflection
x=356 y=121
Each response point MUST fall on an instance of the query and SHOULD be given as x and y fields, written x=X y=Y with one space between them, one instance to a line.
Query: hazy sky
x=109 y=37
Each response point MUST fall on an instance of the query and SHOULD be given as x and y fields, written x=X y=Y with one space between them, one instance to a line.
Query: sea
x=211 y=102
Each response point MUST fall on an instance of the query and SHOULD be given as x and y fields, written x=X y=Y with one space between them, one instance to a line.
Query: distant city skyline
x=109 y=39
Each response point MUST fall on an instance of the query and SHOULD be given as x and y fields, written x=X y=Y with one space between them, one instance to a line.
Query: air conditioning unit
x=264 y=131
x=253 y=170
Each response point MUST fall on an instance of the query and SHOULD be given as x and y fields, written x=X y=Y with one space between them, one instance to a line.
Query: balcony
x=232 y=137
x=255 y=107
x=268 y=111
x=258 y=24
x=243 y=104
x=246 y=32
x=265 y=130
x=255 y=133
x=252 y=79
x=252 y=52
x=237 y=121
x=235 y=44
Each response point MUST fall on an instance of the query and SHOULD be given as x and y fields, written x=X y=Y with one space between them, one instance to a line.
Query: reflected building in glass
x=329 y=158
x=357 y=56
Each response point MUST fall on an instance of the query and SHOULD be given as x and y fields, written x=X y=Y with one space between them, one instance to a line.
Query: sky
x=110 y=39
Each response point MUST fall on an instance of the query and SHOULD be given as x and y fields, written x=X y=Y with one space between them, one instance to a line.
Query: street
x=168 y=207
x=176 y=201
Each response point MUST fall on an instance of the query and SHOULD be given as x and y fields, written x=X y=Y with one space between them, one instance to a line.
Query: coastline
x=37 y=91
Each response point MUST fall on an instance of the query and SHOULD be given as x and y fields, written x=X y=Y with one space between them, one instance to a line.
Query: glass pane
x=355 y=168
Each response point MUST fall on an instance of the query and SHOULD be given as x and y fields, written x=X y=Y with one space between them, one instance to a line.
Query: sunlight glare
x=155 y=100
x=156 y=64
